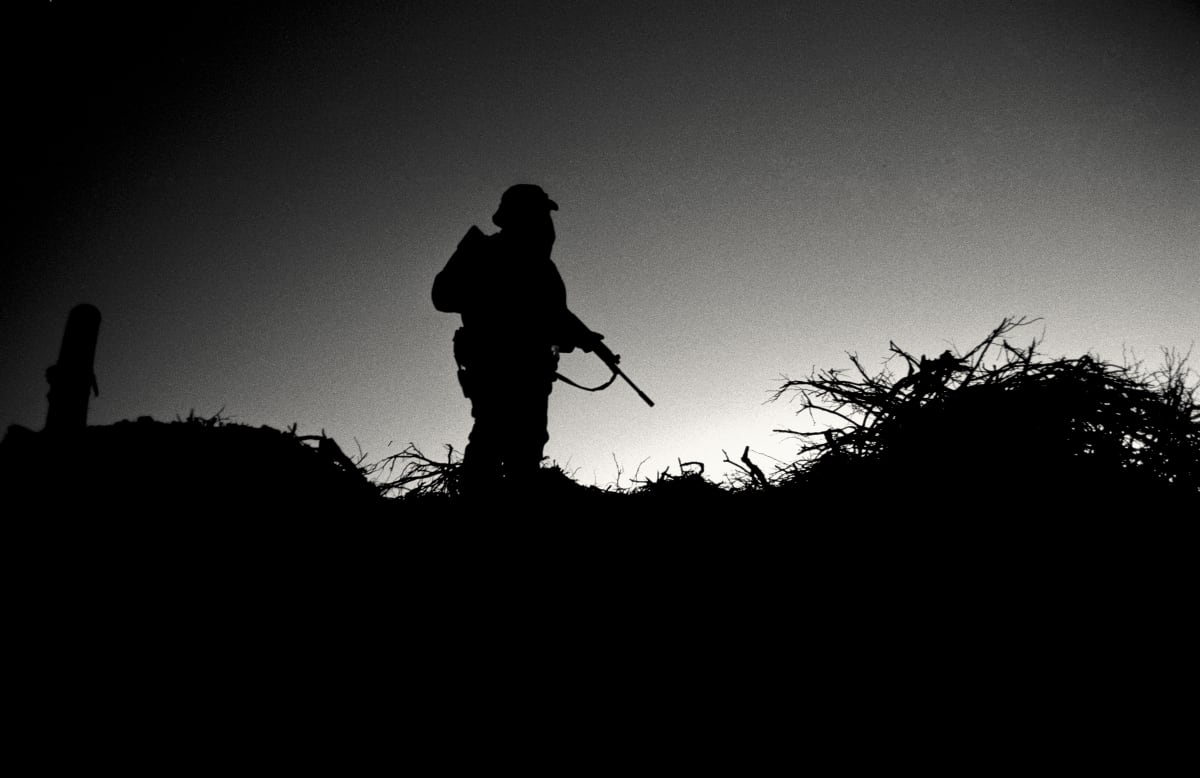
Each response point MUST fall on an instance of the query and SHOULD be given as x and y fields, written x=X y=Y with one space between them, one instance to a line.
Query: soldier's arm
x=576 y=334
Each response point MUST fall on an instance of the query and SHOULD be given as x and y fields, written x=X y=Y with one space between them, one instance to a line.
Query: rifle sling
x=602 y=386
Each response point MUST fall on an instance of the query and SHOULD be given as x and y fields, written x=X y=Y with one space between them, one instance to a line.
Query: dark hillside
x=167 y=471
x=181 y=566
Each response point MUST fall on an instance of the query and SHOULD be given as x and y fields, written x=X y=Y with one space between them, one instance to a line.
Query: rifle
x=609 y=358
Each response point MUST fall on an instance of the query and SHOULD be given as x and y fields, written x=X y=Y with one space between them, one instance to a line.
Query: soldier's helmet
x=520 y=201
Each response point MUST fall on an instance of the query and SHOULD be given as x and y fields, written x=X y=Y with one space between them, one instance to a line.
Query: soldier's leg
x=483 y=457
x=528 y=432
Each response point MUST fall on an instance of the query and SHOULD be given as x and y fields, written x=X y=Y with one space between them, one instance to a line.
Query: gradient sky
x=258 y=200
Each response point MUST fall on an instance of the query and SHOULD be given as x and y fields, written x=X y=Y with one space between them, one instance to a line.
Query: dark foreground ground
x=185 y=593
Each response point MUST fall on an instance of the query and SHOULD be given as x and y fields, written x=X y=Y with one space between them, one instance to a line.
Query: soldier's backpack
x=456 y=283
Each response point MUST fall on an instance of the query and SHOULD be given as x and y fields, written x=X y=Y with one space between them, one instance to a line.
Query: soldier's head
x=525 y=208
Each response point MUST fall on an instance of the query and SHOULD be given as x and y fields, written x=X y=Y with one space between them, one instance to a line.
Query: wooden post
x=73 y=378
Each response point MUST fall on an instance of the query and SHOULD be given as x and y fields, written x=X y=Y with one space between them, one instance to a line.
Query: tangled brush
x=1002 y=413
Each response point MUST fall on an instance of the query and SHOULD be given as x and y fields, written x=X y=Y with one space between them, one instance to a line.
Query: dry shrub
x=1001 y=422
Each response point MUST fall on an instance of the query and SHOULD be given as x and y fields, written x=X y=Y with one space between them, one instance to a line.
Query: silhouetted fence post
x=73 y=378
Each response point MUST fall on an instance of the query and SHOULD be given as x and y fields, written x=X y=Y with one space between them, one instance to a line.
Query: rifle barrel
x=610 y=359
x=634 y=386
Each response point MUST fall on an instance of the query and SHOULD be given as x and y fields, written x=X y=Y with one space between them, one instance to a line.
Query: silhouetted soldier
x=515 y=322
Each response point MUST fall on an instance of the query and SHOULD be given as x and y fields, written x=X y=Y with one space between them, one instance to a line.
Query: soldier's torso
x=519 y=295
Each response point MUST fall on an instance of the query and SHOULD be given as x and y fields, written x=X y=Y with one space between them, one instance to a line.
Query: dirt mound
x=176 y=468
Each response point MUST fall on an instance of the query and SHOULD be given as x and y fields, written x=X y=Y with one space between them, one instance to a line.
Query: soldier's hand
x=593 y=342
x=605 y=353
